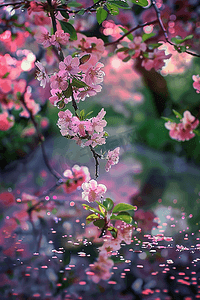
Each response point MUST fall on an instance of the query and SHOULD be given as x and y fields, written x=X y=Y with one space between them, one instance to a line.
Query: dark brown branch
x=96 y=156
x=130 y=31
x=75 y=106
x=165 y=31
x=13 y=4
x=53 y=19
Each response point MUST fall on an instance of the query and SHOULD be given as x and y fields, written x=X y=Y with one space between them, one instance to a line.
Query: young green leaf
x=81 y=12
x=64 y=14
x=113 y=231
x=140 y=2
x=113 y=9
x=74 y=4
x=87 y=207
x=101 y=14
x=78 y=83
x=147 y=36
x=177 y=114
x=123 y=217
x=91 y=218
x=168 y=119
x=120 y=3
x=108 y=203
x=99 y=223
x=67 y=27
x=123 y=207
x=129 y=36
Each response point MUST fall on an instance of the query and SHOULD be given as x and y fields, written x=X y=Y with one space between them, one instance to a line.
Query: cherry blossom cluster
x=75 y=178
x=90 y=129
x=11 y=89
x=92 y=191
x=151 y=59
x=112 y=158
x=101 y=269
x=183 y=131
x=59 y=38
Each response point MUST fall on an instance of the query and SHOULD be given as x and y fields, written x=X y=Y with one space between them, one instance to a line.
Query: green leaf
x=29 y=204
x=168 y=119
x=123 y=217
x=64 y=14
x=177 y=114
x=74 y=4
x=91 y=218
x=82 y=114
x=6 y=74
x=54 y=211
x=154 y=46
x=106 y=134
x=113 y=231
x=67 y=27
x=129 y=36
x=140 y=2
x=78 y=83
x=123 y=207
x=120 y=3
x=101 y=14
x=95 y=1
x=81 y=12
x=126 y=58
x=122 y=49
x=89 y=113
x=87 y=207
x=147 y=36
x=197 y=132
x=178 y=40
x=113 y=9
x=99 y=223
x=18 y=221
x=68 y=92
x=108 y=203
x=100 y=204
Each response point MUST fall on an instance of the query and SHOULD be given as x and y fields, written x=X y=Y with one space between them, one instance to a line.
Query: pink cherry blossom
x=97 y=123
x=70 y=65
x=94 y=75
x=183 y=131
x=196 y=83
x=42 y=75
x=43 y=37
x=93 y=191
x=59 y=81
x=112 y=157
x=155 y=60
x=96 y=139
x=138 y=46
x=76 y=177
x=60 y=37
x=6 y=121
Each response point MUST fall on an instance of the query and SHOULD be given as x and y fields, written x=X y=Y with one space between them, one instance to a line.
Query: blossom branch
x=90 y=8
x=53 y=19
x=12 y=4
x=165 y=31
x=130 y=31
x=96 y=156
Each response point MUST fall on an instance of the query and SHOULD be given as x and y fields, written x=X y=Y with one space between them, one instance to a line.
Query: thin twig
x=130 y=31
x=13 y=4
x=74 y=104
x=96 y=156
x=90 y=8
x=165 y=31
x=41 y=139
x=53 y=19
